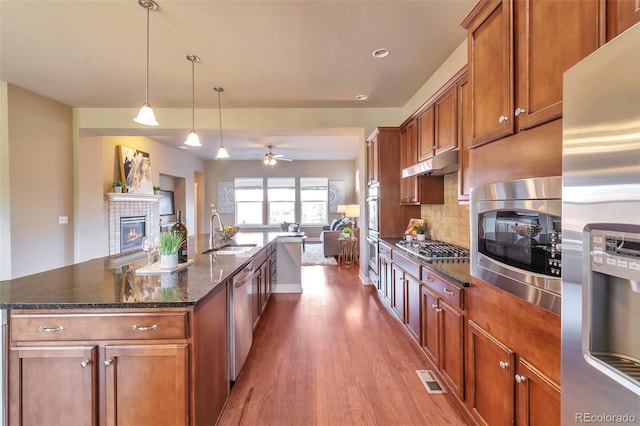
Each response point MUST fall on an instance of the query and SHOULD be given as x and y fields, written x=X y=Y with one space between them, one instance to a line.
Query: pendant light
x=146 y=115
x=222 y=152
x=192 y=139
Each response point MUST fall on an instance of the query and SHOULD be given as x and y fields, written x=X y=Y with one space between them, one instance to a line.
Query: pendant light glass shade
x=146 y=115
x=222 y=151
x=193 y=139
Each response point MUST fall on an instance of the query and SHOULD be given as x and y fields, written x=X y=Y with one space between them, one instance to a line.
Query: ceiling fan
x=270 y=159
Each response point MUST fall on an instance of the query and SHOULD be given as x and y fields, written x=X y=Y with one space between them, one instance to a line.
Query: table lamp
x=352 y=211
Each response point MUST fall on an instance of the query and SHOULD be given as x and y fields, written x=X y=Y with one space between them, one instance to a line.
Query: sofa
x=330 y=234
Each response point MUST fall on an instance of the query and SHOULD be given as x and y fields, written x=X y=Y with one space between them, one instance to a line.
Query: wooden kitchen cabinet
x=397 y=292
x=409 y=157
x=621 y=15
x=497 y=377
x=146 y=384
x=373 y=162
x=385 y=276
x=443 y=329
x=412 y=307
x=57 y=386
x=464 y=138
x=120 y=366
x=426 y=133
x=392 y=216
x=446 y=121
x=516 y=64
x=491 y=378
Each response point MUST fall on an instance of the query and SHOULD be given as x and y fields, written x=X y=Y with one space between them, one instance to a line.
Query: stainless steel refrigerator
x=601 y=236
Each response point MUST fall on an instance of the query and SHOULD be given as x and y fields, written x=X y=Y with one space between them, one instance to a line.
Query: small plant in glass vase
x=419 y=232
x=169 y=246
x=156 y=190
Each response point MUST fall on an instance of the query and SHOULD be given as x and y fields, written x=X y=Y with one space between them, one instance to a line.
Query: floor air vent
x=430 y=382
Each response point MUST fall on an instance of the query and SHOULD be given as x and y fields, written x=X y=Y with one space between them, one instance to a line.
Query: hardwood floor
x=333 y=356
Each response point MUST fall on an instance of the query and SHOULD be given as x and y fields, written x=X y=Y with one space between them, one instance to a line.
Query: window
x=249 y=199
x=314 y=197
x=281 y=196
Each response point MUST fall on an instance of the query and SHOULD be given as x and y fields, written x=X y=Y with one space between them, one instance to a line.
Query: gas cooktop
x=432 y=250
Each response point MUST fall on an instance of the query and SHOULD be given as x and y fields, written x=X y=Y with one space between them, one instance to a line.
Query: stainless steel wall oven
x=516 y=238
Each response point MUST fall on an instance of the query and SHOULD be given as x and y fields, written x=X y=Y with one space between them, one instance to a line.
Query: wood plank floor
x=333 y=356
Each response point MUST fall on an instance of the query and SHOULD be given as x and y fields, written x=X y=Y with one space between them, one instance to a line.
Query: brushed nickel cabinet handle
x=108 y=362
x=521 y=379
x=429 y=279
x=504 y=364
x=145 y=328
x=85 y=363
x=519 y=112
x=503 y=119
x=51 y=329
x=434 y=306
x=447 y=291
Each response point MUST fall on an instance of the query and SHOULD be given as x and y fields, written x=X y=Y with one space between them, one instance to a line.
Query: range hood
x=441 y=164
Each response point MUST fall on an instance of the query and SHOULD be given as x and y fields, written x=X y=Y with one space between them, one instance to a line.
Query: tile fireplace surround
x=124 y=205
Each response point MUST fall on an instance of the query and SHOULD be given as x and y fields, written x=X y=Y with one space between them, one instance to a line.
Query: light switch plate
x=63 y=220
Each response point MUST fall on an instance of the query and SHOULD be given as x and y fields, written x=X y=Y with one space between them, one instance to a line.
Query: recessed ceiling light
x=361 y=97
x=183 y=147
x=380 y=53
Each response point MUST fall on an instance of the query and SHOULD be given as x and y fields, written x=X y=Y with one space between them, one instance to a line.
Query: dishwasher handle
x=243 y=277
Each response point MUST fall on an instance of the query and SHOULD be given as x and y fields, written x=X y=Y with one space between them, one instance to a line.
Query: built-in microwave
x=516 y=238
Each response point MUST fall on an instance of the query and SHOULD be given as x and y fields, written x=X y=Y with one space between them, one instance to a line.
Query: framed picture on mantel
x=135 y=170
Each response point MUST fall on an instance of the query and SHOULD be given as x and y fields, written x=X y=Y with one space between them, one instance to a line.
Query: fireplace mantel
x=116 y=196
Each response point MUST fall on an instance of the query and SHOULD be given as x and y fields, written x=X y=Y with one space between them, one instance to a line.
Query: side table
x=348 y=250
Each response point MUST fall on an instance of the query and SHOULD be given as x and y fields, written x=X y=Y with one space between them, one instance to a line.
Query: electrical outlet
x=62 y=220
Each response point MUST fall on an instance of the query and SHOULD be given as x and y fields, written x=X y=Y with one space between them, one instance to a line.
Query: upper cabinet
x=408 y=157
x=426 y=133
x=518 y=51
x=373 y=163
x=464 y=138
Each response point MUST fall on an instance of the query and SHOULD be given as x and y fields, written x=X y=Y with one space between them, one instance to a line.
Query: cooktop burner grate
x=433 y=250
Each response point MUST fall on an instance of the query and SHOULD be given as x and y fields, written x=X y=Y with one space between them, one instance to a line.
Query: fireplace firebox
x=132 y=229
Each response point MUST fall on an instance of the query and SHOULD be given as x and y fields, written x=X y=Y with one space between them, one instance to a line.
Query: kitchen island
x=96 y=343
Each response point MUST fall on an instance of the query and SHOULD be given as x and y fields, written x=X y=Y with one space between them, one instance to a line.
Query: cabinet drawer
x=57 y=327
x=384 y=250
x=448 y=291
x=405 y=263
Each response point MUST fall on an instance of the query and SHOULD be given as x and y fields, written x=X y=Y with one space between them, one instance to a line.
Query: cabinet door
x=621 y=15
x=372 y=161
x=550 y=37
x=491 y=73
x=430 y=326
x=264 y=279
x=426 y=134
x=398 y=289
x=413 y=307
x=491 y=372
x=464 y=138
x=408 y=185
x=446 y=113
x=537 y=397
x=452 y=347
x=53 y=386
x=146 y=385
x=386 y=278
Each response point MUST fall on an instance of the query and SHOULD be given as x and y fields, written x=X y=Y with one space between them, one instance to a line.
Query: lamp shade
x=222 y=152
x=352 y=210
x=342 y=208
x=146 y=116
x=193 y=139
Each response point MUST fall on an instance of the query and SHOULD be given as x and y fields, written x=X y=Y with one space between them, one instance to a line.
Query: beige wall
x=40 y=182
x=218 y=170
x=449 y=221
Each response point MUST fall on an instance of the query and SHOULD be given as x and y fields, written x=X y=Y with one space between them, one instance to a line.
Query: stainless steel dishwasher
x=240 y=320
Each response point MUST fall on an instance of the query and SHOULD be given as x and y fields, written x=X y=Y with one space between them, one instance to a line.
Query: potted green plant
x=419 y=232
x=156 y=190
x=170 y=244
x=117 y=186
x=346 y=232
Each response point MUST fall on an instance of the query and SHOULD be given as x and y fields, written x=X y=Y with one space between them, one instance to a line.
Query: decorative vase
x=408 y=237
x=168 y=261
x=117 y=189
x=420 y=237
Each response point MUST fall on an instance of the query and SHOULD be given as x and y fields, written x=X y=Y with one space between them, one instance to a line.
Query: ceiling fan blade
x=277 y=155
x=285 y=159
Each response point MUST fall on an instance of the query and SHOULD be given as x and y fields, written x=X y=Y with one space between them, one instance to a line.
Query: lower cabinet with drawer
x=128 y=367
x=443 y=329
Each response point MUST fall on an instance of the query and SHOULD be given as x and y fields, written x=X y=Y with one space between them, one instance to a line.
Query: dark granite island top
x=111 y=282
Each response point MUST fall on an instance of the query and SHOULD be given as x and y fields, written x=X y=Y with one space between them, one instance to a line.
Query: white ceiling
x=266 y=54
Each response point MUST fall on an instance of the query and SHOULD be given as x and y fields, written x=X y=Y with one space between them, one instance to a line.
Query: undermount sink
x=231 y=249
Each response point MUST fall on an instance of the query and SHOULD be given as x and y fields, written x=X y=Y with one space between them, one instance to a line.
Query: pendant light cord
x=146 y=91
x=193 y=94
x=220 y=116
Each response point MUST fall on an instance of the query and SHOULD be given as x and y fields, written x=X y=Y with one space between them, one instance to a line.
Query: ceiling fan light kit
x=270 y=159
x=193 y=139
x=146 y=115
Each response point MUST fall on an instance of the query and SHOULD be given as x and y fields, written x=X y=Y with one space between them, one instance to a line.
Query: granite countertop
x=111 y=282
x=460 y=273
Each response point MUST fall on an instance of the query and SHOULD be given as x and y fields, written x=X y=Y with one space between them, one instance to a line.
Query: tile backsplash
x=449 y=221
